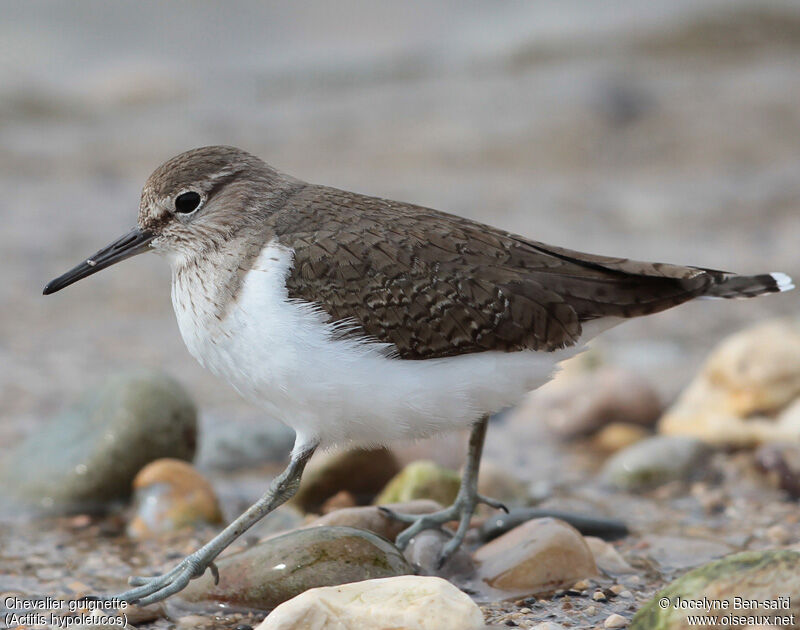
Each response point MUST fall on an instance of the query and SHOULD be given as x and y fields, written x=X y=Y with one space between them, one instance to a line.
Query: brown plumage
x=428 y=283
x=437 y=285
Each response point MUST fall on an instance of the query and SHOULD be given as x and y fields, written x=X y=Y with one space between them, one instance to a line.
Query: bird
x=358 y=320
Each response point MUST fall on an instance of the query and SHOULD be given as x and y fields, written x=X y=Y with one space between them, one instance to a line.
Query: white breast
x=283 y=355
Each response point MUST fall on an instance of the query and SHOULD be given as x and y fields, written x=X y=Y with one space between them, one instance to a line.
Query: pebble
x=448 y=450
x=236 y=443
x=424 y=550
x=499 y=524
x=279 y=568
x=615 y=621
x=87 y=457
x=409 y=602
x=599 y=596
x=373 y=519
x=170 y=495
x=683 y=552
x=739 y=395
x=548 y=625
x=655 y=461
x=361 y=472
x=619 y=435
x=421 y=480
x=340 y=500
x=778 y=534
x=781 y=462
x=751 y=575
x=539 y=556
x=498 y=483
x=579 y=405
x=608 y=559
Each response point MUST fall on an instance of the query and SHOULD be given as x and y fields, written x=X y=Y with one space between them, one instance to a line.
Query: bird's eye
x=187 y=202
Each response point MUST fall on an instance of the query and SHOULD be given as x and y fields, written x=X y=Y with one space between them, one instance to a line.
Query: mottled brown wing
x=437 y=285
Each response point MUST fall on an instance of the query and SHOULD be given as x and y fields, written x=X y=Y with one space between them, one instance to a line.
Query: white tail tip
x=784 y=282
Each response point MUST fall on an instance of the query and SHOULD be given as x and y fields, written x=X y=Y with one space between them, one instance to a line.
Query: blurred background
x=664 y=130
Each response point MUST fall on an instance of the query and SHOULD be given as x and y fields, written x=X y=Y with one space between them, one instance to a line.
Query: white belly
x=281 y=354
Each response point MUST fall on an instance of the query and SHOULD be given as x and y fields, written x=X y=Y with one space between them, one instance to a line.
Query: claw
x=214 y=571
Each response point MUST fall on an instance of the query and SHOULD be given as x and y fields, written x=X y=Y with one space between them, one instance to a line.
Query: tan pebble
x=778 y=534
x=626 y=594
x=536 y=557
x=580 y=585
x=340 y=500
x=618 y=435
x=591 y=610
x=615 y=621
x=192 y=621
x=599 y=596
x=617 y=589
x=525 y=611
x=634 y=579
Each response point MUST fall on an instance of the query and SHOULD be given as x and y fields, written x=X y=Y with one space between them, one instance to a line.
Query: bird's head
x=190 y=204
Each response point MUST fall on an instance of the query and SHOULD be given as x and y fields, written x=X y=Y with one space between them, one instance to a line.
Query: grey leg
x=155 y=588
x=463 y=507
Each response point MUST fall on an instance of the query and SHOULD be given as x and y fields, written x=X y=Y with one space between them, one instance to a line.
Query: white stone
x=408 y=602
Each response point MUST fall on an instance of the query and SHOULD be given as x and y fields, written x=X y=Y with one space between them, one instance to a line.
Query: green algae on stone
x=421 y=480
x=766 y=576
x=88 y=456
x=279 y=568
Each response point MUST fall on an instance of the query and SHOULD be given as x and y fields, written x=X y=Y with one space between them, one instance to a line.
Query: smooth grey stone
x=655 y=461
x=87 y=456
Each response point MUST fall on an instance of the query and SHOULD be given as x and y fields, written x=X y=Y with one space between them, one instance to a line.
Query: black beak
x=134 y=242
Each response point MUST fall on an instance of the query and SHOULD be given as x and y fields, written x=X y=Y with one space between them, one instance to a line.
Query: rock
x=737 y=398
x=672 y=553
x=277 y=569
x=619 y=435
x=424 y=550
x=363 y=473
x=655 y=461
x=498 y=483
x=236 y=443
x=406 y=603
x=583 y=403
x=498 y=524
x=771 y=576
x=539 y=556
x=781 y=463
x=608 y=559
x=374 y=520
x=340 y=500
x=548 y=625
x=88 y=456
x=421 y=480
x=279 y=521
x=169 y=495
x=448 y=449
x=615 y=621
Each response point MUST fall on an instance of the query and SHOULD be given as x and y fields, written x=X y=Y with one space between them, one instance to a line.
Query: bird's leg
x=463 y=507
x=153 y=589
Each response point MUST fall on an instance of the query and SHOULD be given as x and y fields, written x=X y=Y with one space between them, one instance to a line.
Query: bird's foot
x=460 y=511
x=152 y=589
